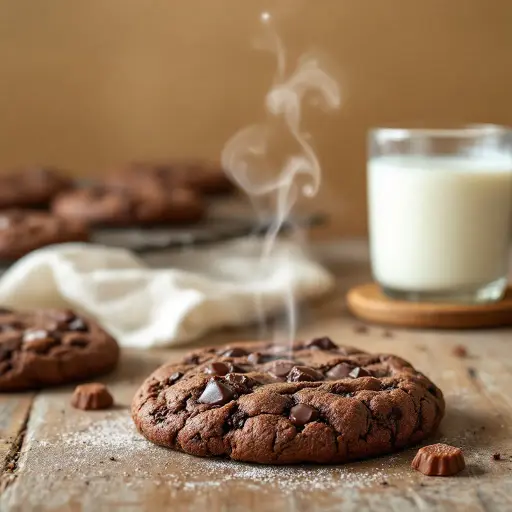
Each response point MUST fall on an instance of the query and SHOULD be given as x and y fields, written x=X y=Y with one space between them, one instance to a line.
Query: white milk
x=439 y=223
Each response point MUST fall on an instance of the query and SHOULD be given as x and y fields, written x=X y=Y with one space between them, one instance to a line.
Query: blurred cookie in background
x=202 y=176
x=123 y=207
x=22 y=231
x=31 y=186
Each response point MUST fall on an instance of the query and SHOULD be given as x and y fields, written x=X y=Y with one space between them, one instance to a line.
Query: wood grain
x=76 y=460
x=369 y=303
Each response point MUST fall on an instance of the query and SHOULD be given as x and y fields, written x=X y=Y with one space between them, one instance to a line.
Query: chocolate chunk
x=281 y=368
x=302 y=414
x=218 y=368
x=240 y=383
x=64 y=315
x=216 y=393
x=496 y=456
x=38 y=340
x=174 y=377
x=439 y=460
x=460 y=351
x=92 y=397
x=235 y=352
x=75 y=340
x=359 y=372
x=304 y=373
x=340 y=371
x=77 y=324
x=254 y=358
x=5 y=366
x=322 y=343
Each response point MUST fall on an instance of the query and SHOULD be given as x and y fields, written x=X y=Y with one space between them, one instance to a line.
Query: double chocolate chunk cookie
x=109 y=206
x=202 y=176
x=312 y=402
x=31 y=186
x=48 y=347
x=22 y=231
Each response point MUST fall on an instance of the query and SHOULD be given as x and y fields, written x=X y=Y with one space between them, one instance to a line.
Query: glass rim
x=449 y=131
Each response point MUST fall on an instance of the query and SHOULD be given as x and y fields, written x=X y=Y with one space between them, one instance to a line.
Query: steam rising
x=245 y=156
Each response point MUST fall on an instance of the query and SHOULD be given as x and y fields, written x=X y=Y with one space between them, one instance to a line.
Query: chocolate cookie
x=109 y=206
x=31 y=186
x=312 y=402
x=22 y=231
x=48 y=347
x=202 y=176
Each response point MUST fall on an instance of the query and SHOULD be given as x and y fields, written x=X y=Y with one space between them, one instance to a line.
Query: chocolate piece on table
x=439 y=460
x=92 y=396
x=302 y=414
x=216 y=393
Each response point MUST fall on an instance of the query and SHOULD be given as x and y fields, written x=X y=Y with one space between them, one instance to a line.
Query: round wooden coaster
x=369 y=303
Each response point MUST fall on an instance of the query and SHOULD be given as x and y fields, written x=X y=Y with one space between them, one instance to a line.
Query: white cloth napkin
x=194 y=292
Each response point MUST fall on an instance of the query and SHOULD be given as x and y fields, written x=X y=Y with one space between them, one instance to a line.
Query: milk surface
x=439 y=223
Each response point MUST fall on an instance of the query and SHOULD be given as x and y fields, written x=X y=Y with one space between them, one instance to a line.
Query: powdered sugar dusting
x=96 y=448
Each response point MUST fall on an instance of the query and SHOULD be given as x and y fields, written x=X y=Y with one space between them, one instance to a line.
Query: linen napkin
x=170 y=298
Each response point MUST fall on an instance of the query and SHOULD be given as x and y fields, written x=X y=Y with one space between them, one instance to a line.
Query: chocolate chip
x=281 y=368
x=240 y=383
x=235 y=368
x=340 y=371
x=322 y=344
x=174 y=377
x=496 y=456
x=76 y=341
x=191 y=359
x=254 y=357
x=302 y=414
x=5 y=366
x=235 y=352
x=359 y=372
x=304 y=374
x=216 y=393
x=217 y=369
x=77 y=324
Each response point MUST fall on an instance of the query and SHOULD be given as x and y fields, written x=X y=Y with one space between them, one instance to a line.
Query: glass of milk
x=440 y=211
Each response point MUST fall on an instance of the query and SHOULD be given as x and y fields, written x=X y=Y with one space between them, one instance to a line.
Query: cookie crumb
x=460 y=351
x=496 y=456
x=472 y=373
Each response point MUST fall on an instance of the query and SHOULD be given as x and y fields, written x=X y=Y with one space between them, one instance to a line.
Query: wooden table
x=58 y=458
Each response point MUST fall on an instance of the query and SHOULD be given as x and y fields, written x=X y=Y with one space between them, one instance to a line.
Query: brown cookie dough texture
x=110 y=206
x=22 y=231
x=93 y=396
x=439 y=460
x=311 y=402
x=31 y=186
x=49 y=347
x=202 y=176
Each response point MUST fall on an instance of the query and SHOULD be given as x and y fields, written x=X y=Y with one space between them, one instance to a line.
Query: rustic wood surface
x=58 y=458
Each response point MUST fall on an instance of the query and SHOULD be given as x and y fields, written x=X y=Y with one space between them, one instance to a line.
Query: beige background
x=86 y=84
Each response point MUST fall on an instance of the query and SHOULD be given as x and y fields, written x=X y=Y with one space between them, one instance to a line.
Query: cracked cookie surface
x=312 y=402
x=49 y=347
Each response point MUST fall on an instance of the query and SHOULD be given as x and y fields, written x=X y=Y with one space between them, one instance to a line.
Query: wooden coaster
x=369 y=303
